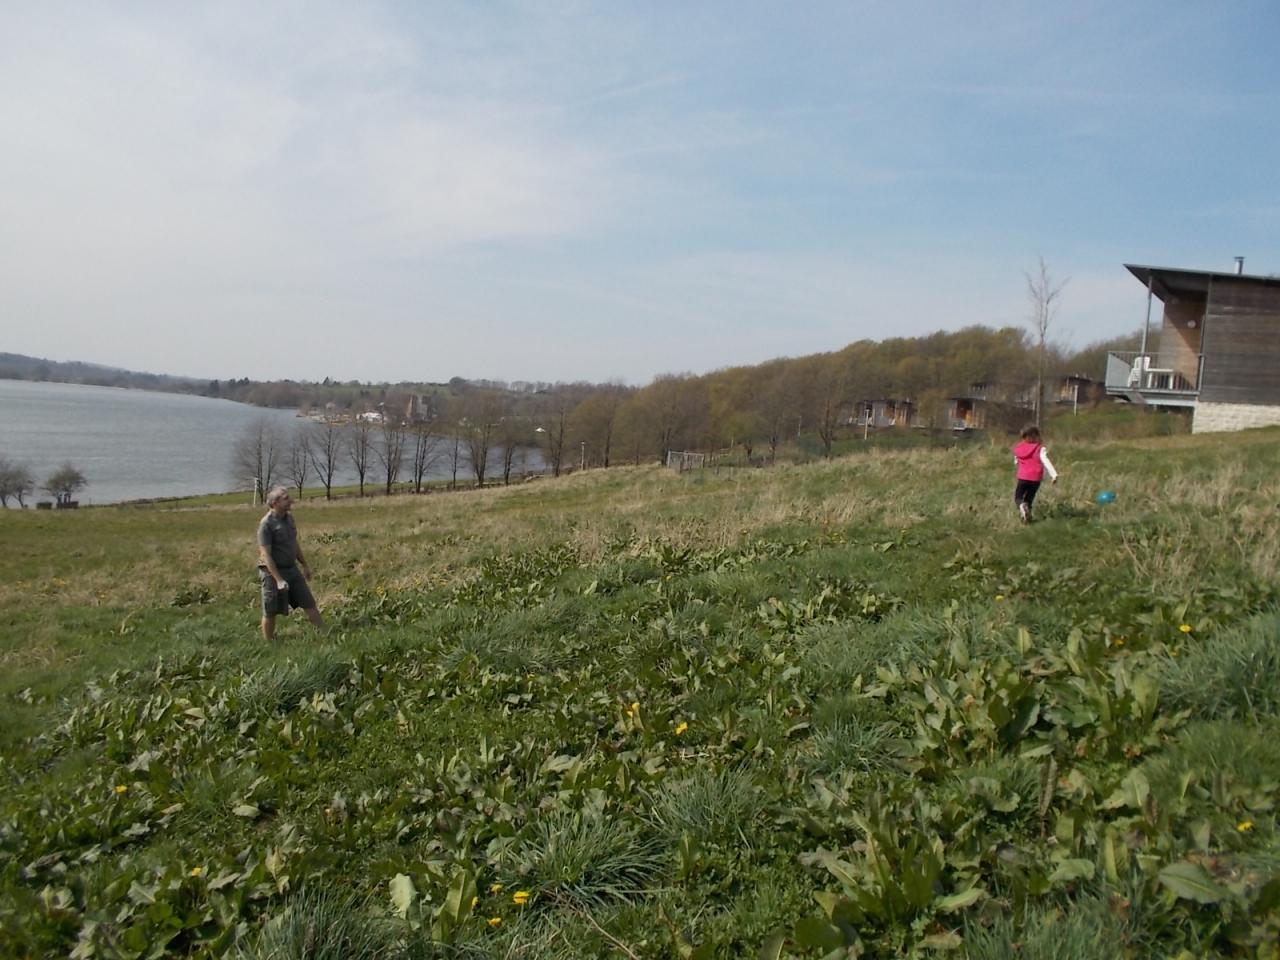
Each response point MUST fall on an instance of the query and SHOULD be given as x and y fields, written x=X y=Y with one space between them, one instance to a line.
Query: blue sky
x=592 y=191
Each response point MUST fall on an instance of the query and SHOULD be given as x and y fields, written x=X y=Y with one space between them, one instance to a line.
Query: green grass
x=848 y=705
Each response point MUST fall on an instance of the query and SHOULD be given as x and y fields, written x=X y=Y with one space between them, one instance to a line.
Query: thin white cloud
x=571 y=190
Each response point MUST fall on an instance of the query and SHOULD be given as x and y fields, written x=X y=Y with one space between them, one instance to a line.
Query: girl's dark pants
x=1025 y=492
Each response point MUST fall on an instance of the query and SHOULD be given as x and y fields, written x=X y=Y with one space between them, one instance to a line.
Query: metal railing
x=1150 y=373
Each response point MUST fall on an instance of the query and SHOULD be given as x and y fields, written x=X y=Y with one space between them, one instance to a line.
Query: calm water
x=137 y=444
x=129 y=444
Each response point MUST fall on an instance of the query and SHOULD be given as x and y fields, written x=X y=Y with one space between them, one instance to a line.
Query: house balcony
x=1146 y=378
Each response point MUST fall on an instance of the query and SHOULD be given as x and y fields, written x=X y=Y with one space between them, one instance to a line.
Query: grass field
x=850 y=708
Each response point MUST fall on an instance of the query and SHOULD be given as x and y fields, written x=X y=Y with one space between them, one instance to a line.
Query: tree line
x=481 y=431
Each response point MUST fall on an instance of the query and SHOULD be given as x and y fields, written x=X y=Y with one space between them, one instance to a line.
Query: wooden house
x=1219 y=352
x=1069 y=391
x=990 y=403
x=884 y=413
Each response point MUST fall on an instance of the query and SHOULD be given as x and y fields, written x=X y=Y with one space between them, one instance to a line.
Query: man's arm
x=306 y=570
x=264 y=556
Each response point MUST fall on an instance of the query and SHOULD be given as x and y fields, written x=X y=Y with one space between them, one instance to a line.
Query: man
x=283 y=571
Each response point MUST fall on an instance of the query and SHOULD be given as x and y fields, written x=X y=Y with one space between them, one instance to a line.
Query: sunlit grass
x=650 y=700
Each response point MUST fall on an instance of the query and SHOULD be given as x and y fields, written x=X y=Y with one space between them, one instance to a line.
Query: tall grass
x=1236 y=675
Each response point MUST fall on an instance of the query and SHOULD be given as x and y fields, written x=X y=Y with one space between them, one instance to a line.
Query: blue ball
x=1105 y=497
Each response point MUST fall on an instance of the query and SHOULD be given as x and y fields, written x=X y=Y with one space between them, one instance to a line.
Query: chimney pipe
x=1239 y=266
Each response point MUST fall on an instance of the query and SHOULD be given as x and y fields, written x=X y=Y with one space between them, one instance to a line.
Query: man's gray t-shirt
x=280 y=537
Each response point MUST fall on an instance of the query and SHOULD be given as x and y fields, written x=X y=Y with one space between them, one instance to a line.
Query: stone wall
x=1219 y=417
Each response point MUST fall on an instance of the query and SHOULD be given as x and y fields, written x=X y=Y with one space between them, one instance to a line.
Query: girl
x=1032 y=460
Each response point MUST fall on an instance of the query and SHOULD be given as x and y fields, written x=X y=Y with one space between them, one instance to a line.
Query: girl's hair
x=1031 y=433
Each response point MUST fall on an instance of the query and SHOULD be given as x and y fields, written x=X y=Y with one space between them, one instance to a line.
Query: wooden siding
x=1180 y=336
x=1241 y=343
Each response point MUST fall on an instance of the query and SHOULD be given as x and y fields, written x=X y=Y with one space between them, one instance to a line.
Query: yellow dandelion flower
x=196 y=871
x=1244 y=826
x=1119 y=641
x=474 y=901
x=999 y=597
x=681 y=727
x=494 y=921
x=1185 y=628
x=121 y=788
x=495 y=888
x=520 y=898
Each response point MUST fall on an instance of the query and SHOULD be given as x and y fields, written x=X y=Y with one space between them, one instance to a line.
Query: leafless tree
x=830 y=375
x=325 y=450
x=16 y=481
x=455 y=456
x=63 y=483
x=675 y=408
x=425 y=452
x=482 y=413
x=258 y=453
x=1043 y=292
x=390 y=451
x=513 y=439
x=554 y=422
x=297 y=464
x=360 y=448
x=478 y=437
x=595 y=420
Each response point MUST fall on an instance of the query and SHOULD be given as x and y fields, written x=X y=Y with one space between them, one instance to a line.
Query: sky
x=563 y=191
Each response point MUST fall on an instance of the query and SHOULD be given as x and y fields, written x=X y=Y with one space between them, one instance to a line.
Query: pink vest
x=1029 y=465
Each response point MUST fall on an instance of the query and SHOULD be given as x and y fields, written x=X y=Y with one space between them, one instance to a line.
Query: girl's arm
x=1048 y=464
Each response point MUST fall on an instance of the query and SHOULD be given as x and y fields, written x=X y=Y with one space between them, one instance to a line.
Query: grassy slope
x=479 y=636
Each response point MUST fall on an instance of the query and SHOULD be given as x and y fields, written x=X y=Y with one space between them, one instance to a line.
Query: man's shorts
x=276 y=602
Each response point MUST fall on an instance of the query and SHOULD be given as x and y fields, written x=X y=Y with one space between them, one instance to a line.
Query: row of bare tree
x=487 y=431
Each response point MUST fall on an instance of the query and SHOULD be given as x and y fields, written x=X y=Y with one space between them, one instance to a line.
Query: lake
x=137 y=444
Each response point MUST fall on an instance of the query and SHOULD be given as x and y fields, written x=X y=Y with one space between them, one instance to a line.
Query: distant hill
x=16 y=366
x=286 y=394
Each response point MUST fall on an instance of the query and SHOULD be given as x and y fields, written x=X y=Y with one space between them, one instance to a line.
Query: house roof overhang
x=1167 y=282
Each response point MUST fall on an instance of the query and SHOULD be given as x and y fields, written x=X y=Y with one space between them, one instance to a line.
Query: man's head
x=278 y=499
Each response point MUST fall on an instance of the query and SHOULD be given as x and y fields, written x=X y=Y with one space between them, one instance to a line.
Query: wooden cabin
x=885 y=412
x=1219 y=350
x=991 y=403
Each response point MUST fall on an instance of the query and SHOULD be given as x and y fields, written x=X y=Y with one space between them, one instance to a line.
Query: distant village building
x=884 y=412
x=989 y=404
x=420 y=407
x=1219 y=348
x=1009 y=404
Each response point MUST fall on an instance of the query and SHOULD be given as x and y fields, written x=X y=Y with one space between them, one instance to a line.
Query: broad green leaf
x=460 y=897
x=842 y=871
x=815 y=933
x=1132 y=792
x=958 y=901
x=403 y=894
x=1190 y=881
x=946 y=940
x=558 y=763
x=247 y=810
x=1109 y=858
x=772 y=948
x=828 y=901
x=1073 y=869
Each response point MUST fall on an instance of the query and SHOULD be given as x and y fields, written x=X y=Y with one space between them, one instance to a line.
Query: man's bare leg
x=313 y=614
x=269 y=628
